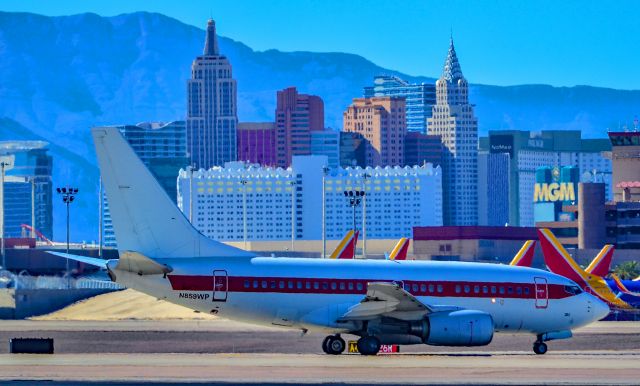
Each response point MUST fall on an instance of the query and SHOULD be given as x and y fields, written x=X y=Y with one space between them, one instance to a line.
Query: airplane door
x=220 y=285
x=542 y=292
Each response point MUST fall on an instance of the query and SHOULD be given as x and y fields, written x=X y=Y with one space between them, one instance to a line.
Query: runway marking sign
x=384 y=349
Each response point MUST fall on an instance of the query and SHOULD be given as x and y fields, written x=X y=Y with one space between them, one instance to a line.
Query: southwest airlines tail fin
x=399 y=252
x=347 y=246
x=602 y=263
x=144 y=219
x=621 y=287
x=558 y=259
x=524 y=257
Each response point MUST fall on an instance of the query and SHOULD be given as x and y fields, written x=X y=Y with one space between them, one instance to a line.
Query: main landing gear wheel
x=540 y=348
x=333 y=345
x=368 y=345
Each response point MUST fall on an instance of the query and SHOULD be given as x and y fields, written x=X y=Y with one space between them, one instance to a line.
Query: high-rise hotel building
x=297 y=116
x=382 y=123
x=211 y=107
x=454 y=121
x=225 y=202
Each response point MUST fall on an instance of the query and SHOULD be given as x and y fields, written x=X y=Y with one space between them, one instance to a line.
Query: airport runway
x=223 y=351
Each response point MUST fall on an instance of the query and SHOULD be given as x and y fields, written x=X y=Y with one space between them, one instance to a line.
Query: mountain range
x=59 y=76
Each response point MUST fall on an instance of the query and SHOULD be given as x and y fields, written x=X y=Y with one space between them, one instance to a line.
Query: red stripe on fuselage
x=295 y=285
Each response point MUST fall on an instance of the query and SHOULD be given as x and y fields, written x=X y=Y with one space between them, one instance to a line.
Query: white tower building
x=453 y=119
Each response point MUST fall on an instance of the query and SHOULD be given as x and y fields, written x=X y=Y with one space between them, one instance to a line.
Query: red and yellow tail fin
x=347 y=246
x=558 y=259
x=399 y=252
x=602 y=263
x=524 y=257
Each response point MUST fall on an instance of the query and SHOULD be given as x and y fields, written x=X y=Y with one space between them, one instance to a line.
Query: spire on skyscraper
x=452 y=71
x=211 y=40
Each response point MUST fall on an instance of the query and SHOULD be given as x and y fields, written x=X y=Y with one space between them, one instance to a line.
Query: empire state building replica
x=212 y=118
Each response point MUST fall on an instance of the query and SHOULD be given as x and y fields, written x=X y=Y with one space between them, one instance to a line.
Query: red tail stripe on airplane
x=252 y=284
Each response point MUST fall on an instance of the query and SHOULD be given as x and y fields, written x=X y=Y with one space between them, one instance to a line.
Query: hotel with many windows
x=267 y=204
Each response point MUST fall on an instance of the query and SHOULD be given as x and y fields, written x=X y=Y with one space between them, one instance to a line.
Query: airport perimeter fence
x=26 y=281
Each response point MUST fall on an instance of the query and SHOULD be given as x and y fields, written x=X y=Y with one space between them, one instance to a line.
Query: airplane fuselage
x=312 y=294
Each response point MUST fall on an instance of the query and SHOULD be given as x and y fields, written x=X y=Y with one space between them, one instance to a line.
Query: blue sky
x=562 y=43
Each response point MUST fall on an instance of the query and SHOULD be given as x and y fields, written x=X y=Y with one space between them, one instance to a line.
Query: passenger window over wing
x=414 y=287
x=431 y=288
x=440 y=289
x=359 y=285
x=350 y=286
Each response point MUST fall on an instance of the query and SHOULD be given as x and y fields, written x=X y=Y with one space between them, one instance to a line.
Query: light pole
x=190 y=168
x=68 y=195
x=365 y=176
x=293 y=212
x=100 y=214
x=325 y=171
x=354 y=198
x=3 y=164
x=244 y=210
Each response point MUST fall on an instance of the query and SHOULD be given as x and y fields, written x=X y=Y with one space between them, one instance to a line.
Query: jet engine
x=457 y=328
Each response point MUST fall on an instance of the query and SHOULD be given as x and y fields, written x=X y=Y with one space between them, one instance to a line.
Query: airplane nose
x=599 y=308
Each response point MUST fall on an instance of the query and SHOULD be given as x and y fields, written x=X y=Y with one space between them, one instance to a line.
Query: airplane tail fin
x=145 y=220
x=623 y=288
x=558 y=259
x=602 y=262
x=524 y=257
x=346 y=247
x=399 y=252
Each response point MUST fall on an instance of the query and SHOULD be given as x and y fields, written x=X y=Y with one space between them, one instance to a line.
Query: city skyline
x=561 y=44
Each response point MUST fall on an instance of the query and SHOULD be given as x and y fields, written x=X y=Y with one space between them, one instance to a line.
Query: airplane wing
x=602 y=262
x=83 y=259
x=524 y=257
x=391 y=300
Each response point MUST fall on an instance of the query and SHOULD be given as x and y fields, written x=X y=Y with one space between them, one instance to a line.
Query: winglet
x=346 y=247
x=558 y=259
x=602 y=262
x=399 y=252
x=524 y=257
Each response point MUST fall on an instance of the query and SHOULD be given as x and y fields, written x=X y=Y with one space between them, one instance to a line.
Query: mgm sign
x=555 y=191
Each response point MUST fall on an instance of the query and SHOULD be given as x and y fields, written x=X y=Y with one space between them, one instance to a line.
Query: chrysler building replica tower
x=212 y=118
x=454 y=121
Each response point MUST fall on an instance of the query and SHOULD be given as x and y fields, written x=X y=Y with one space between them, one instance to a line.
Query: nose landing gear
x=333 y=345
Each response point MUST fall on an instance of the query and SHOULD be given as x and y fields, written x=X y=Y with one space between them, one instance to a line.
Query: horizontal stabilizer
x=141 y=264
x=83 y=259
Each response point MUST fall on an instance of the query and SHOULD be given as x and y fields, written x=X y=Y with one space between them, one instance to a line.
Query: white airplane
x=381 y=301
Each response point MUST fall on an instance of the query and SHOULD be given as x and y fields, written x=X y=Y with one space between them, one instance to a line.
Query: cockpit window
x=572 y=289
